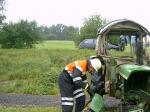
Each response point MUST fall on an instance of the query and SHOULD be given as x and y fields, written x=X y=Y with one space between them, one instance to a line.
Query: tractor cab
x=124 y=46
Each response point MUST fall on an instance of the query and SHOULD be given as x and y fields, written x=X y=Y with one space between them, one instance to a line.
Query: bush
x=23 y=34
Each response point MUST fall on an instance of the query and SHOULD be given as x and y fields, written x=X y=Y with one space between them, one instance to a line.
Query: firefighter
x=72 y=82
x=122 y=42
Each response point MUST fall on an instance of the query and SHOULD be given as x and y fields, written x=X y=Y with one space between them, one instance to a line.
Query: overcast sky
x=73 y=12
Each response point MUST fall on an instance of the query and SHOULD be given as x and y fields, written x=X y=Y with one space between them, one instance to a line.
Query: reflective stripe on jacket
x=80 y=65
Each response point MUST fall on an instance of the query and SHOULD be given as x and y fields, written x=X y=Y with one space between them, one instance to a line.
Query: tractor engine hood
x=127 y=69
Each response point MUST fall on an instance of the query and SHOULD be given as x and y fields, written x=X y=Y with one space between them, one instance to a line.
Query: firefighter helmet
x=96 y=64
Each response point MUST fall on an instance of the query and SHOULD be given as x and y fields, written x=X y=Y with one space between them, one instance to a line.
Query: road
x=27 y=100
x=24 y=100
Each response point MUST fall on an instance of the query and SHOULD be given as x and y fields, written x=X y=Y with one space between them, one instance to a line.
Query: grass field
x=56 y=45
x=29 y=109
x=35 y=71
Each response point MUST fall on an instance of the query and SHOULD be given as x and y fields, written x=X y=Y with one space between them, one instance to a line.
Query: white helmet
x=96 y=64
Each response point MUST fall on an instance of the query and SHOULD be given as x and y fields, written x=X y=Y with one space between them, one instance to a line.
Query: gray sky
x=72 y=12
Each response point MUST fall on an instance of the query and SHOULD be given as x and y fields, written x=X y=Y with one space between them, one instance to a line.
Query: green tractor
x=124 y=47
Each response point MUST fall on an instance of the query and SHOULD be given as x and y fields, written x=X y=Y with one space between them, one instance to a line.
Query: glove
x=84 y=85
x=91 y=90
x=96 y=88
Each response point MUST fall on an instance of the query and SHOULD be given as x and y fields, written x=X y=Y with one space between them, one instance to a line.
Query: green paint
x=127 y=69
x=97 y=103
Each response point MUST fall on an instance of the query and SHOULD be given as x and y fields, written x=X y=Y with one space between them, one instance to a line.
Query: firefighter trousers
x=70 y=94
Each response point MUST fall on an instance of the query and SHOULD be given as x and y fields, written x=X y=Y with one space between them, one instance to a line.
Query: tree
x=90 y=26
x=2 y=5
x=59 y=32
x=71 y=33
x=45 y=33
x=23 y=34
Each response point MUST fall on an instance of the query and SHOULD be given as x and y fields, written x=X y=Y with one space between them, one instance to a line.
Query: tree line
x=59 y=32
x=25 y=34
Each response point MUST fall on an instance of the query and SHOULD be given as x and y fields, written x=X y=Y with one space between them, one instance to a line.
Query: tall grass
x=35 y=71
x=29 y=109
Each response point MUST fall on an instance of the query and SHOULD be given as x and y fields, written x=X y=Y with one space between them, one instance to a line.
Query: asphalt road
x=27 y=100
x=24 y=100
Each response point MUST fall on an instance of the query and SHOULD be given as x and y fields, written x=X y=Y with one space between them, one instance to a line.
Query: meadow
x=54 y=44
x=36 y=71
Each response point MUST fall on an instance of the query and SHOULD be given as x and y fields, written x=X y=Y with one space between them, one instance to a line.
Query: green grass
x=29 y=109
x=56 y=45
x=126 y=52
x=148 y=49
x=35 y=71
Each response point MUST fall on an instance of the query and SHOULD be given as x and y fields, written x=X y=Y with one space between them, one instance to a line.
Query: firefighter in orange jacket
x=72 y=82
